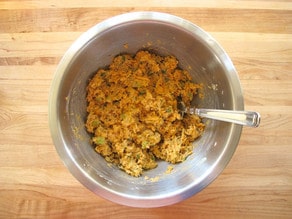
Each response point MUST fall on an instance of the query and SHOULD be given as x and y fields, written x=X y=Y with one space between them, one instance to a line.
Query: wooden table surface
x=34 y=35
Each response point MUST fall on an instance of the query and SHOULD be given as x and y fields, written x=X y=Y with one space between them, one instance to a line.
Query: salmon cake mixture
x=133 y=115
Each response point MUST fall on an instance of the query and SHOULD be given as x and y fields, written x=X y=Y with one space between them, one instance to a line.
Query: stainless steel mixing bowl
x=164 y=34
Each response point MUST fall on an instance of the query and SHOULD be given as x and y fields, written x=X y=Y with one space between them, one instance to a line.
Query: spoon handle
x=247 y=118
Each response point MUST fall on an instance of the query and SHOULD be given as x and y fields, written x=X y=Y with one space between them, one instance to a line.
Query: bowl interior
x=196 y=52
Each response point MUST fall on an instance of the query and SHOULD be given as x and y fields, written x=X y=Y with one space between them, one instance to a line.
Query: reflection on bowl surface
x=164 y=34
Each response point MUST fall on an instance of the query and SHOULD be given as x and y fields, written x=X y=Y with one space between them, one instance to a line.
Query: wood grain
x=34 y=35
x=211 y=19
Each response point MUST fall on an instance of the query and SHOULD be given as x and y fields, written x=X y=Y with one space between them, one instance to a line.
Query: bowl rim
x=55 y=129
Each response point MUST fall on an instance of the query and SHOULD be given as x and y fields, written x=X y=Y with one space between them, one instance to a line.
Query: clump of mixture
x=133 y=115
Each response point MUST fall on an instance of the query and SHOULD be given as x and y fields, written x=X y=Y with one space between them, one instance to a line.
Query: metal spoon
x=246 y=118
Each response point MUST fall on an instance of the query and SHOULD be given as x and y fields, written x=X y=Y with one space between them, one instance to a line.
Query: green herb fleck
x=142 y=92
x=123 y=58
x=190 y=96
x=136 y=84
x=145 y=144
x=149 y=73
x=99 y=140
x=123 y=116
x=169 y=109
x=103 y=74
x=95 y=123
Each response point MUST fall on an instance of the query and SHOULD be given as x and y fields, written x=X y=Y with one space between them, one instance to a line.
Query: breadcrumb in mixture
x=133 y=115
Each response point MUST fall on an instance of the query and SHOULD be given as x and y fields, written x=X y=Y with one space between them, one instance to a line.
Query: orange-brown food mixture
x=133 y=115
